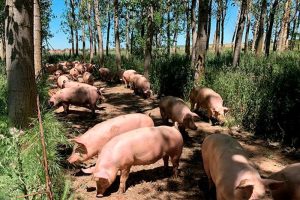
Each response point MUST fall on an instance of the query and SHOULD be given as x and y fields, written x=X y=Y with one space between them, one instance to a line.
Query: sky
x=60 y=40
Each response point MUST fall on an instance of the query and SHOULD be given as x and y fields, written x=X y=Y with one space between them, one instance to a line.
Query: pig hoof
x=99 y=195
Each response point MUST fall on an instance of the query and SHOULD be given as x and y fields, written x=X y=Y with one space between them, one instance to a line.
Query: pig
x=57 y=74
x=80 y=96
x=89 y=67
x=74 y=73
x=104 y=73
x=142 y=87
x=291 y=177
x=141 y=146
x=92 y=141
x=61 y=79
x=80 y=79
x=175 y=109
x=228 y=169
x=80 y=68
x=126 y=75
x=210 y=101
x=88 y=78
x=132 y=79
x=50 y=68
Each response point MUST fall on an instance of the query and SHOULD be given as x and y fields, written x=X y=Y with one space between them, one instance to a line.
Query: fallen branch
x=45 y=163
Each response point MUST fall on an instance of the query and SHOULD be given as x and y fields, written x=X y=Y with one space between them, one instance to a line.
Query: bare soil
x=150 y=182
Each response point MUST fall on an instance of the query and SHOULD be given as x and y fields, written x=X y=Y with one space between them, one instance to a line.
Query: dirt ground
x=150 y=182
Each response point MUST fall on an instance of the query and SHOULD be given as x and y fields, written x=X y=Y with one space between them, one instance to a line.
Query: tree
x=149 y=39
x=270 y=27
x=223 y=16
x=117 y=34
x=260 y=34
x=283 y=35
x=22 y=90
x=37 y=37
x=239 y=33
x=127 y=31
x=169 y=27
x=218 y=27
x=2 y=35
x=198 y=62
x=99 y=33
x=194 y=30
x=188 y=29
x=90 y=27
x=108 y=27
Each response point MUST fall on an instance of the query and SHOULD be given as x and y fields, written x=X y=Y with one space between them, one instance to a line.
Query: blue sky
x=60 y=40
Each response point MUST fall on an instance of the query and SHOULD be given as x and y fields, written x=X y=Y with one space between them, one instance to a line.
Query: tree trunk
x=235 y=29
x=239 y=33
x=22 y=89
x=282 y=40
x=276 y=37
x=108 y=27
x=194 y=31
x=74 y=27
x=127 y=34
x=223 y=16
x=169 y=27
x=99 y=33
x=2 y=49
x=254 y=35
x=270 y=27
x=175 y=32
x=117 y=34
x=37 y=38
x=149 y=40
x=188 y=29
x=202 y=37
x=90 y=32
x=218 y=28
x=83 y=41
x=260 y=35
x=295 y=25
x=209 y=24
x=247 y=32
x=95 y=42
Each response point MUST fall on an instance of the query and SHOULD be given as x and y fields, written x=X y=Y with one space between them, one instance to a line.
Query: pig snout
x=50 y=104
x=73 y=158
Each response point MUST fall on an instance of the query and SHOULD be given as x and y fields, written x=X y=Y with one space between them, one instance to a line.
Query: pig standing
x=104 y=73
x=126 y=75
x=88 y=78
x=92 y=141
x=291 y=177
x=175 y=109
x=61 y=80
x=210 y=101
x=142 y=87
x=228 y=168
x=141 y=146
x=80 y=96
x=132 y=79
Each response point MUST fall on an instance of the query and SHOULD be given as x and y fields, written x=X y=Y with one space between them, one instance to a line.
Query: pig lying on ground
x=210 y=101
x=80 y=68
x=61 y=79
x=80 y=96
x=74 y=73
x=228 y=168
x=88 y=78
x=126 y=75
x=141 y=146
x=57 y=74
x=142 y=87
x=291 y=189
x=92 y=141
x=50 y=68
x=175 y=109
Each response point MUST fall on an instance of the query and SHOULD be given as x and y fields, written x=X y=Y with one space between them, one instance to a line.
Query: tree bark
x=201 y=43
x=74 y=27
x=276 y=37
x=260 y=35
x=37 y=37
x=117 y=34
x=175 y=32
x=239 y=33
x=108 y=27
x=127 y=34
x=282 y=40
x=223 y=16
x=188 y=29
x=209 y=24
x=295 y=25
x=2 y=49
x=254 y=35
x=22 y=89
x=99 y=33
x=270 y=27
x=235 y=29
x=218 y=28
x=247 y=32
x=169 y=27
x=90 y=32
x=194 y=30
x=149 y=41
x=83 y=41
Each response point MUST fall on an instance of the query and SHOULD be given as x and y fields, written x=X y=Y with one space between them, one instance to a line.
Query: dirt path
x=150 y=182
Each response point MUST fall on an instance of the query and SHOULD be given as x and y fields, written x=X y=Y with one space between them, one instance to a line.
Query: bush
x=172 y=76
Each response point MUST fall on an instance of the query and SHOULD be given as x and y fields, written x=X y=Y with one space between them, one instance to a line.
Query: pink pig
x=291 y=189
x=175 y=109
x=61 y=79
x=92 y=141
x=141 y=146
x=88 y=78
x=228 y=168
x=126 y=76
x=80 y=96
x=142 y=86
x=74 y=73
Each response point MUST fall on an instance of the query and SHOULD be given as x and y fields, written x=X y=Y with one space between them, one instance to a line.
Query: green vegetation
x=21 y=167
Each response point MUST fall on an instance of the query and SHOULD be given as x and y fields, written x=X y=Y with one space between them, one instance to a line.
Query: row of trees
x=148 y=28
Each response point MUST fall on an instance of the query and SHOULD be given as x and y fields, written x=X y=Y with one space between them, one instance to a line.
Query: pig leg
x=166 y=161
x=175 y=163
x=163 y=116
x=93 y=108
x=123 y=179
x=192 y=105
x=66 y=107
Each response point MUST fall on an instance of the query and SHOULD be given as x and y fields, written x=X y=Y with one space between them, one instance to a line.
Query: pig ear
x=194 y=115
x=101 y=174
x=81 y=146
x=89 y=170
x=226 y=109
x=273 y=184
x=246 y=188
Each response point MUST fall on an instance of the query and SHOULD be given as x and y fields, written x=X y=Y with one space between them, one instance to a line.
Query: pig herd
x=132 y=139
